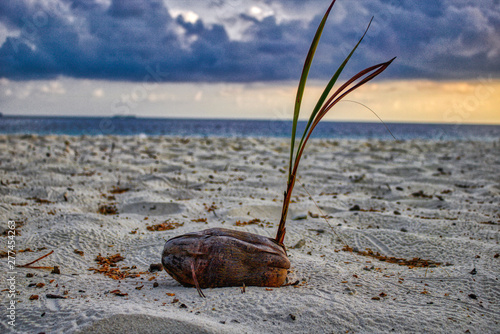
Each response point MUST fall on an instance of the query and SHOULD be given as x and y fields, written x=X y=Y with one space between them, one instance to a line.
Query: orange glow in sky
x=422 y=101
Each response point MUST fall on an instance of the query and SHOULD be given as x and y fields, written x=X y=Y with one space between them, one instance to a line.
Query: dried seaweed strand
x=27 y=265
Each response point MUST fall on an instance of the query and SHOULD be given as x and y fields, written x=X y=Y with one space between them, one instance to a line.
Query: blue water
x=77 y=126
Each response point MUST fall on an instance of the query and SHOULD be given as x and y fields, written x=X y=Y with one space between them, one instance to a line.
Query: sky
x=243 y=58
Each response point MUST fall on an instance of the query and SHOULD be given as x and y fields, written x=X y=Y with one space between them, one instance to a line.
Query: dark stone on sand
x=51 y=296
x=154 y=267
x=355 y=208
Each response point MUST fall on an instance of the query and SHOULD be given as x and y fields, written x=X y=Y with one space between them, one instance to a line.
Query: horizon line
x=124 y=117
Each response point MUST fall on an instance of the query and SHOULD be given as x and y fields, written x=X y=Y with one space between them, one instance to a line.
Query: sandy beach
x=361 y=214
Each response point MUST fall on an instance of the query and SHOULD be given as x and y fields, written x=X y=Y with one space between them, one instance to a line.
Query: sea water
x=77 y=126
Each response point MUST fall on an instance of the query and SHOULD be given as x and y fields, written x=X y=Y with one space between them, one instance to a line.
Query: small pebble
x=51 y=296
x=355 y=208
x=154 y=267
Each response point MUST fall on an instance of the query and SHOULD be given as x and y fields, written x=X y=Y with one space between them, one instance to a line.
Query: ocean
x=125 y=126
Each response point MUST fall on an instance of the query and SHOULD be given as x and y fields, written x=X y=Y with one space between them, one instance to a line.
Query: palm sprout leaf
x=328 y=88
x=375 y=70
x=320 y=109
x=302 y=82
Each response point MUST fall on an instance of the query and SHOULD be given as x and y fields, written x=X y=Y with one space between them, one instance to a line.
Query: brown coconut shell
x=219 y=257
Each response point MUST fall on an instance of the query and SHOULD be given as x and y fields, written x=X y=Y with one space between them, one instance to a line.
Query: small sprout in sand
x=220 y=257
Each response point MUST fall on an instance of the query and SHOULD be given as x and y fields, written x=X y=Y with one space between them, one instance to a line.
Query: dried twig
x=27 y=265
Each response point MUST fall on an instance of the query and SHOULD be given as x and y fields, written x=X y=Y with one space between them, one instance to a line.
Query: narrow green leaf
x=320 y=109
x=376 y=70
x=328 y=88
x=370 y=72
x=302 y=83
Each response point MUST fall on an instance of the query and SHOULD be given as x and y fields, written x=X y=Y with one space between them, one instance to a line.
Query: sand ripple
x=84 y=196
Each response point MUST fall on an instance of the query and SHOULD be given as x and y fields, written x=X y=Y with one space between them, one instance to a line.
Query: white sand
x=434 y=200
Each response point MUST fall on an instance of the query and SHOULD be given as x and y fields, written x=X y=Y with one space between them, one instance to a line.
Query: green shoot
x=322 y=107
x=302 y=81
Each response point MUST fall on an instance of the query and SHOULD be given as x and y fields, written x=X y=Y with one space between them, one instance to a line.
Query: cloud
x=146 y=41
x=98 y=93
x=53 y=87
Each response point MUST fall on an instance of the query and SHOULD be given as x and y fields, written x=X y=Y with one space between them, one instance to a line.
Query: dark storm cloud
x=140 y=40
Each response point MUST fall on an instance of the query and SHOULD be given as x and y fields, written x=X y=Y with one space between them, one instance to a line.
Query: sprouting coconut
x=220 y=257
